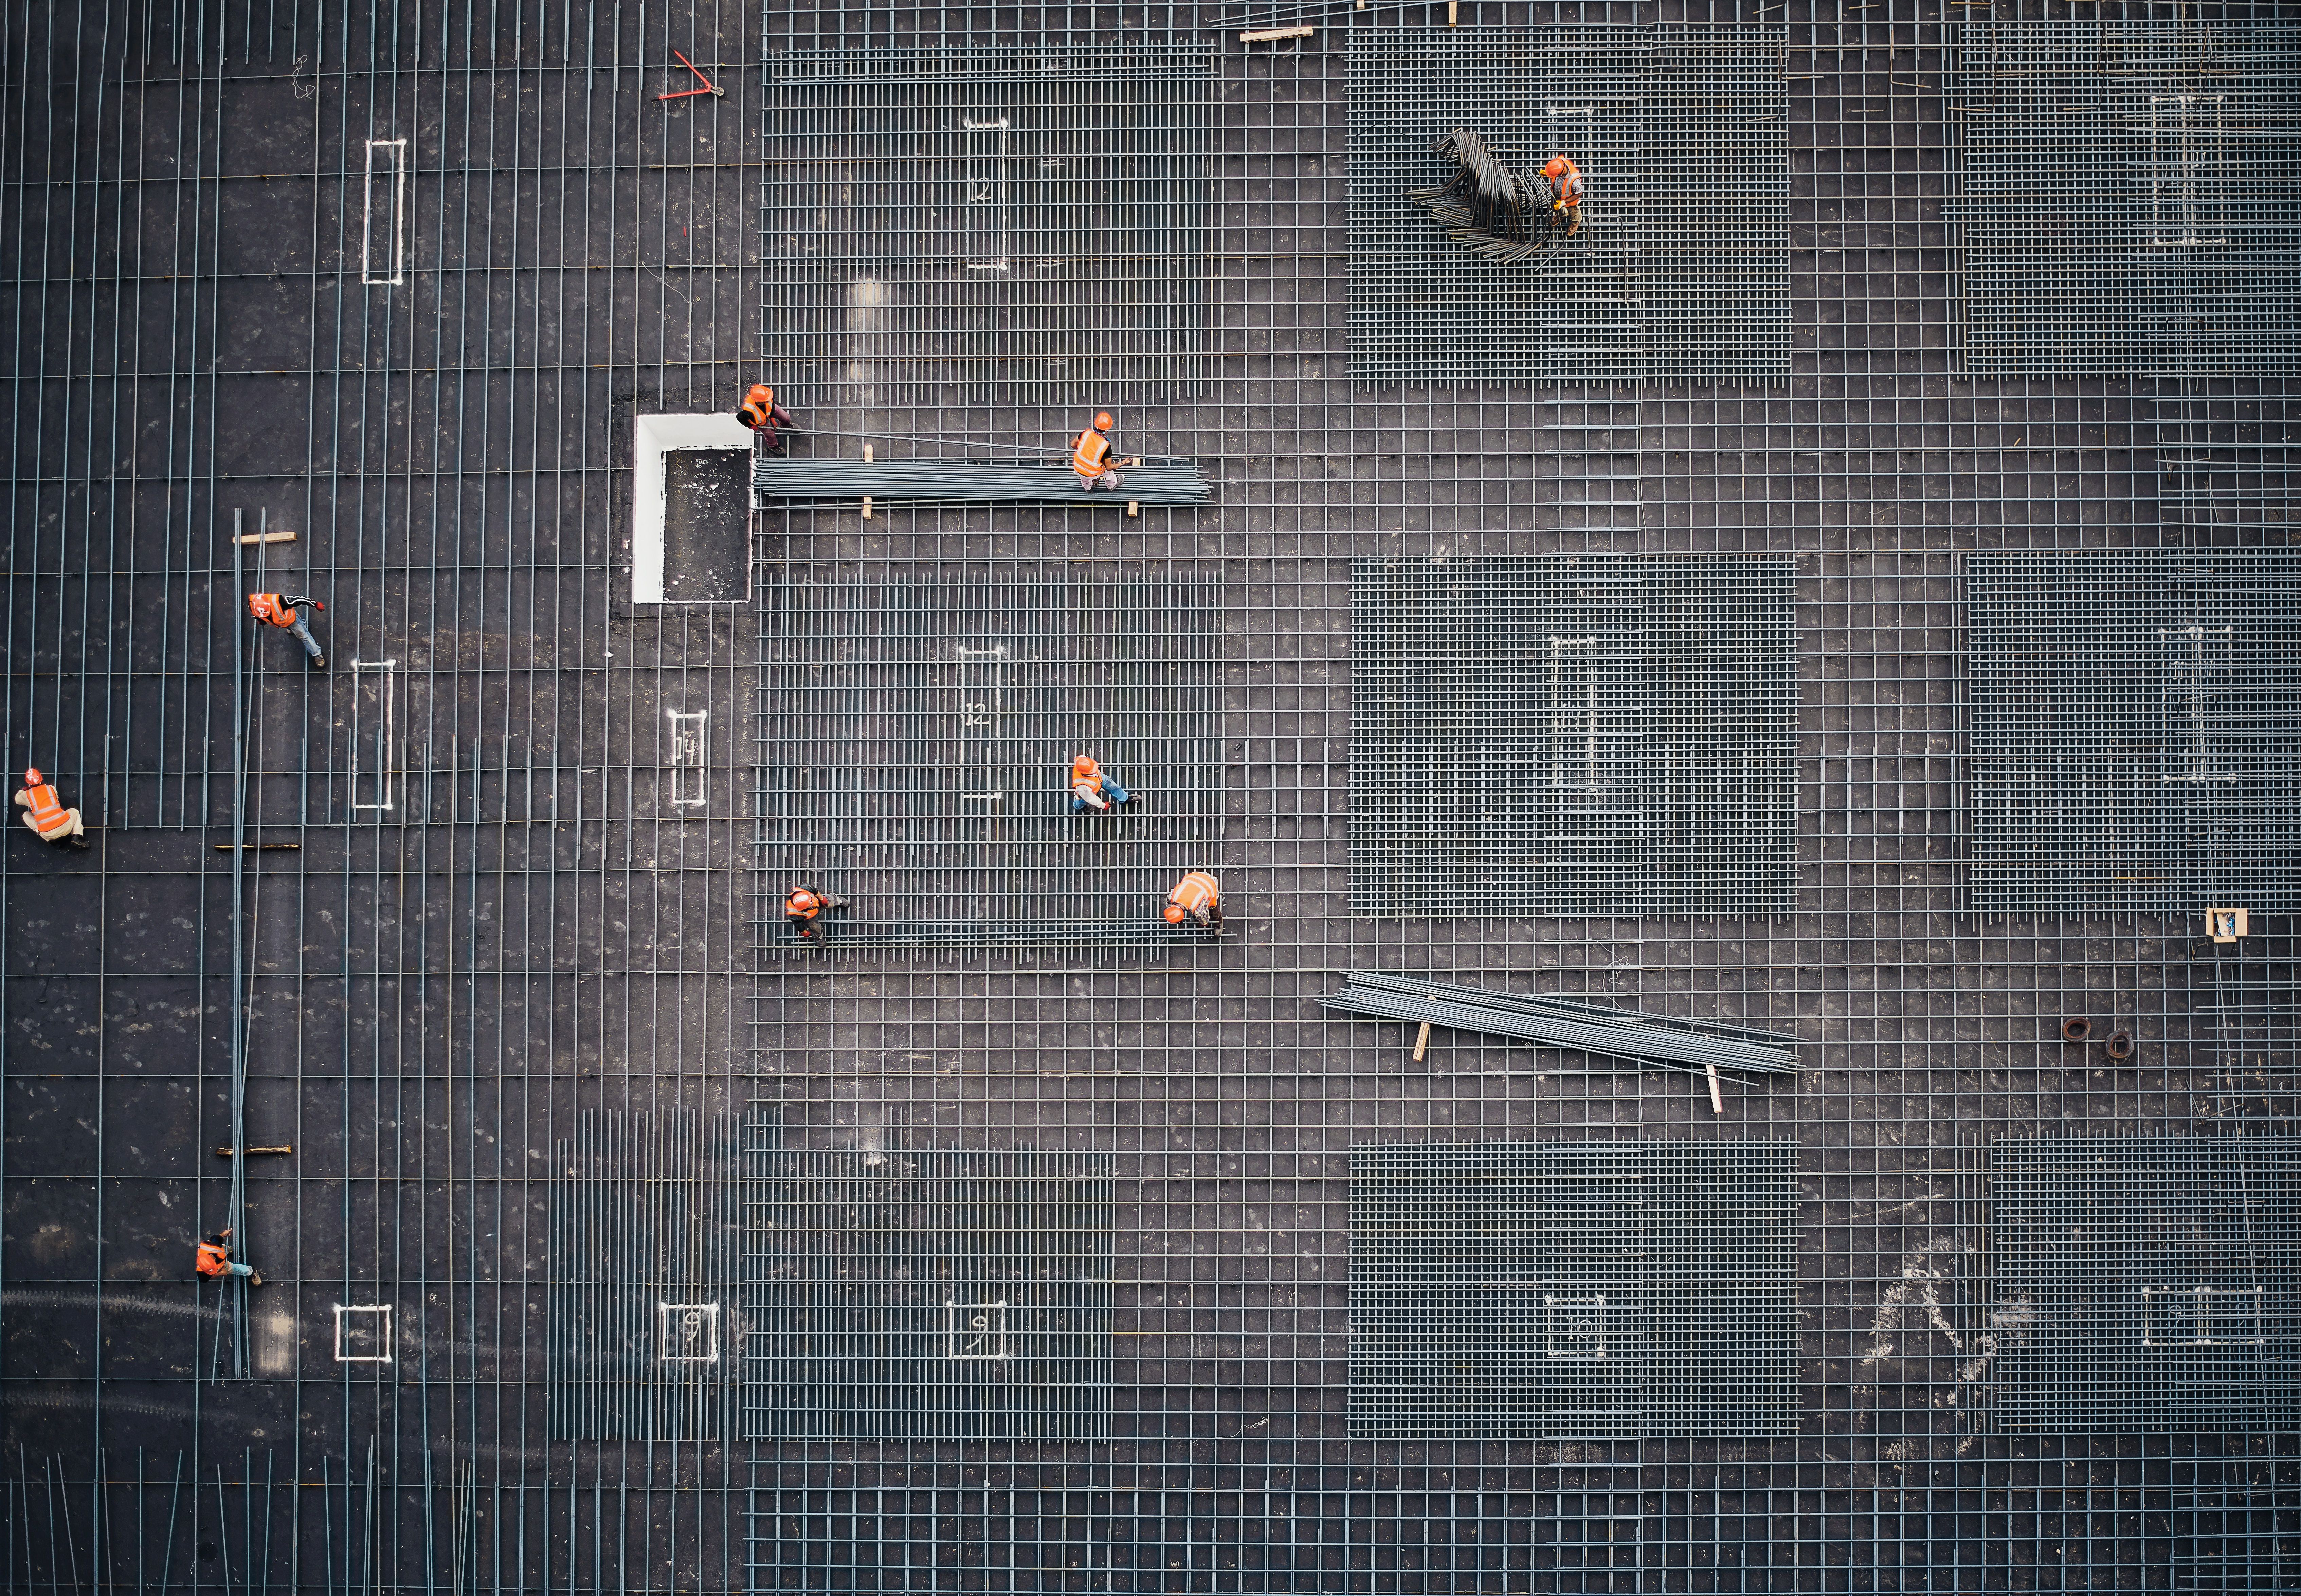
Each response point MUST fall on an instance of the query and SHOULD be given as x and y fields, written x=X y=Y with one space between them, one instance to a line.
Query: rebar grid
x=2128 y=194
x=2136 y=731
x=459 y=990
x=1592 y=735
x=1681 y=269
x=990 y=225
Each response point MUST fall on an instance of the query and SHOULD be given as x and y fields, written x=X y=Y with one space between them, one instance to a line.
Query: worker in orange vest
x=279 y=609
x=761 y=413
x=46 y=814
x=1091 y=456
x=803 y=906
x=214 y=1260
x=1094 y=788
x=1565 y=191
x=1196 y=896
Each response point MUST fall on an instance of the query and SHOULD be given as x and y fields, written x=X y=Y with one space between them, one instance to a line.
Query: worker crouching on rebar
x=1565 y=191
x=213 y=1260
x=46 y=814
x=761 y=413
x=1090 y=456
x=1197 y=898
x=806 y=905
x=1095 y=788
x=282 y=610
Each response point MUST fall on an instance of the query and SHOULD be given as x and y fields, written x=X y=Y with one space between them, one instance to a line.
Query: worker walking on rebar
x=761 y=413
x=1095 y=788
x=283 y=610
x=213 y=1260
x=46 y=814
x=806 y=905
x=1565 y=191
x=1091 y=456
x=1196 y=897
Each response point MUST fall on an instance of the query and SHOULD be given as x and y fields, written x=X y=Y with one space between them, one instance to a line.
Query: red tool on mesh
x=682 y=94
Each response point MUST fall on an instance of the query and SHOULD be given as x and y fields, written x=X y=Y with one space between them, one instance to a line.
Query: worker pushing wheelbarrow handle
x=285 y=611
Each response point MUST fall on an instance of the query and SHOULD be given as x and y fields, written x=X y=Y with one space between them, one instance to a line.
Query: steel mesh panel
x=2145 y=1283
x=1682 y=266
x=994 y=226
x=642 y=1228
x=2129 y=196
x=916 y=742
x=2135 y=730
x=1607 y=734
x=1626 y=1288
x=928 y=1295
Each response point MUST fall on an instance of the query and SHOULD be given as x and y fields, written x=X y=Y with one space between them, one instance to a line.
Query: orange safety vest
x=213 y=1260
x=1196 y=893
x=758 y=406
x=1569 y=187
x=1086 y=779
x=802 y=905
x=1090 y=454
x=47 y=812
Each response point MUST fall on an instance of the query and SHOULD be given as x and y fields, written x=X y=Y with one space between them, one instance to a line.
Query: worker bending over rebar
x=761 y=413
x=46 y=814
x=806 y=905
x=1095 y=788
x=282 y=610
x=1565 y=191
x=1091 y=456
x=213 y=1260
x=1197 y=898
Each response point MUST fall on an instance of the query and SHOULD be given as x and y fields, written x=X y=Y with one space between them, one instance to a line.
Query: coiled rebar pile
x=1501 y=215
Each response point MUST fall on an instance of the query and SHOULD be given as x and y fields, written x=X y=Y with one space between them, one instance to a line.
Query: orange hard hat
x=32 y=778
x=1556 y=168
x=1103 y=422
x=1174 y=913
x=1084 y=765
x=801 y=898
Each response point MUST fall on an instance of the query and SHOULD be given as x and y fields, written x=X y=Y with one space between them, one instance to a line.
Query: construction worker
x=280 y=610
x=1091 y=456
x=761 y=413
x=1094 y=788
x=46 y=814
x=1197 y=897
x=1565 y=191
x=214 y=1260
x=805 y=904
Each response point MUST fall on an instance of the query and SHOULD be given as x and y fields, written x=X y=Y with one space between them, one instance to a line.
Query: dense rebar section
x=917 y=732
x=775 y=482
x=989 y=226
x=1682 y=266
x=643 y=1276
x=2134 y=718
x=2147 y=1283
x=1553 y=1022
x=2131 y=196
x=1585 y=1288
x=929 y=1296
x=1606 y=734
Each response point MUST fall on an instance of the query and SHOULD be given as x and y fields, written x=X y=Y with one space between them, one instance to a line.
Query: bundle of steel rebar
x=1167 y=483
x=1556 y=1023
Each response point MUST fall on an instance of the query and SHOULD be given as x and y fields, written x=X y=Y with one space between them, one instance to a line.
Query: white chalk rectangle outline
x=371 y=1308
x=393 y=172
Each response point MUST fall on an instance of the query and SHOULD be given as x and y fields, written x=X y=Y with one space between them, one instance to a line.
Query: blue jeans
x=1111 y=790
x=241 y=1269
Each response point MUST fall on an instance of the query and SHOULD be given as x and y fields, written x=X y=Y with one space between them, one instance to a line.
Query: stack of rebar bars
x=1556 y=1023
x=1000 y=481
